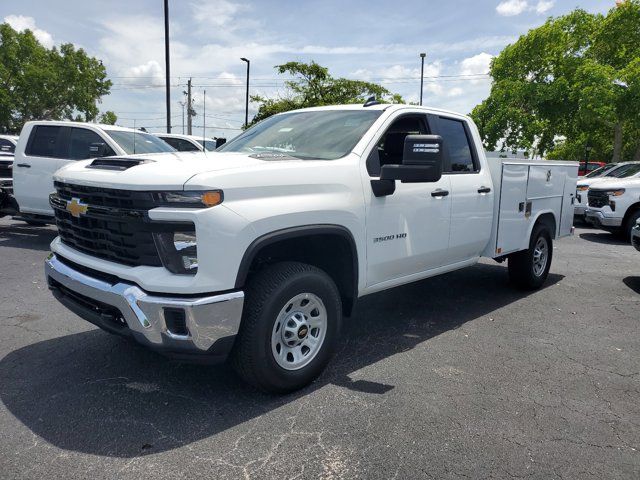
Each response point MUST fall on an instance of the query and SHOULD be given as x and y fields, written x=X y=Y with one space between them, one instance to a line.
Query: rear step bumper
x=201 y=328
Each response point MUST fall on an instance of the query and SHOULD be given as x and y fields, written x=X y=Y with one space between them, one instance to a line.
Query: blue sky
x=369 y=40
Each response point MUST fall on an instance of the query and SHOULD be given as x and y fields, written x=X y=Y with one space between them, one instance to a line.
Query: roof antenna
x=371 y=101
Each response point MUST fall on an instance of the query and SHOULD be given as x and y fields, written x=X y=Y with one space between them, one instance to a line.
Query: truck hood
x=161 y=171
x=616 y=183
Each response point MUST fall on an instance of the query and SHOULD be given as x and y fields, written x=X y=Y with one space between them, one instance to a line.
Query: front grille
x=598 y=198
x=115 y=226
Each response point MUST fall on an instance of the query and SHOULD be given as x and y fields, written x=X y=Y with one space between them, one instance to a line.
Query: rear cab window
x=461 y=154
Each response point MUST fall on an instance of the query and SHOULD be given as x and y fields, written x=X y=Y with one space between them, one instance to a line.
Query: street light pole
x=587 y=150
x=422 y=55
x=246 y=102
x=166 y=63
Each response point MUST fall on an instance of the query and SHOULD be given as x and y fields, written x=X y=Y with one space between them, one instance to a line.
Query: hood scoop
x=117 y=163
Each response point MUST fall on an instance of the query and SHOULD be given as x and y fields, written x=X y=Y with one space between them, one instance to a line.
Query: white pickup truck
x=258 y=250
x=614 y=205
x=46 y=146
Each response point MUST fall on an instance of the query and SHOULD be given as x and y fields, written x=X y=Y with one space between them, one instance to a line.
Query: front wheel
x=289 y=328
x=529 y=268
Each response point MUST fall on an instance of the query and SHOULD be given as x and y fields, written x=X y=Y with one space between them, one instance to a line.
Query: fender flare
x=296 y=232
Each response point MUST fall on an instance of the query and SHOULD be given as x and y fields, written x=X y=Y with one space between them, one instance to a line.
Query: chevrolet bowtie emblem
x=76 y=208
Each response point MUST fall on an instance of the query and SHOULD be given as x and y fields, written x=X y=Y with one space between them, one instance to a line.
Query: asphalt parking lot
x=456 y=376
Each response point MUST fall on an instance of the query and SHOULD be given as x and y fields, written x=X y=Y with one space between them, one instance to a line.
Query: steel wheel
x=540 y=256
x=299 y=331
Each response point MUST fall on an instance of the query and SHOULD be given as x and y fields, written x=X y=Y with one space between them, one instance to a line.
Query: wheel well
x=549 y=220
x=630 y=211
x=332 y=251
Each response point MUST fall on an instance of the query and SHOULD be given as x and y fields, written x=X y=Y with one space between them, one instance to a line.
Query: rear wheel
x=529 y=268
x=289 y=327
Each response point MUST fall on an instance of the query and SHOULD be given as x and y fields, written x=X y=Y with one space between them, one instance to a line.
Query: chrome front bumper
x=208 y=324
x=598 y=219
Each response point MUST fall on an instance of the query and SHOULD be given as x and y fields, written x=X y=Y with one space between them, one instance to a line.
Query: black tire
x=628 y=225
x=521 y=264
x=267 y=293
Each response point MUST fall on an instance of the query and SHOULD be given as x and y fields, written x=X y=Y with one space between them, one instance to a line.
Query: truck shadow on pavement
x=98 y=394
x=603 y=237
x=29 y=237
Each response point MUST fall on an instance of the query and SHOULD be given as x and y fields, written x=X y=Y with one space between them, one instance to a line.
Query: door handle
x=439 y=193
x=23 y=165
x=484 y=190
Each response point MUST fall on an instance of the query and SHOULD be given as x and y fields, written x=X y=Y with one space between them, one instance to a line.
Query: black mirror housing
x=421 y=161
x=220 y=141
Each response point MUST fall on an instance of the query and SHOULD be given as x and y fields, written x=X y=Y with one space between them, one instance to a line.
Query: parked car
x=591 y=166
x=614 y=205
x=46 y=146
x=191 y=143
x=619 y=170
x=260 y=252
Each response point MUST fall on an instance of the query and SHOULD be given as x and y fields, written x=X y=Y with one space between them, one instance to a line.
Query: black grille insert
x=112 y=224
x=598 y=198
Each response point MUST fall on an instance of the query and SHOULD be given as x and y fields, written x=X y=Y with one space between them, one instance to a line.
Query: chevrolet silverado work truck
x=259 y=250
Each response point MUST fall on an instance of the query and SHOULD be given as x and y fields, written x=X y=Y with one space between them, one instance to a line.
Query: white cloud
x=476 y=65
x=543 y=6
x=216 y=13
x=510 y=8
x=149 y=72
x=21 y=23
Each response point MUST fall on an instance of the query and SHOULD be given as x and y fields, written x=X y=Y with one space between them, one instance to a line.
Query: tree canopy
x=37 y=83
x=572 y=81
x=313 y=86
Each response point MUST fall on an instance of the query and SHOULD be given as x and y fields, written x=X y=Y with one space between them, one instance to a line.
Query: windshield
x=139 y=142
x=599 y=171
x=624 y=171
x=209 y=145
x=312 y=135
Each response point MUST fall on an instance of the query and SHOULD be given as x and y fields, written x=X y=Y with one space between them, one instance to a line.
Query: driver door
x=407 y=231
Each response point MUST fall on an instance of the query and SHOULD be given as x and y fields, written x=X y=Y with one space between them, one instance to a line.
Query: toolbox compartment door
x=512 y=211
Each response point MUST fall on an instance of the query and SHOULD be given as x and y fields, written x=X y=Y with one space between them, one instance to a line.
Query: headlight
x=583 y=188
x=615 y=193
x=178 y=251
x=193 y=199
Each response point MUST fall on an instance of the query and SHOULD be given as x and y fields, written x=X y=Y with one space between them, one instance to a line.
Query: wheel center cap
x=302 y=331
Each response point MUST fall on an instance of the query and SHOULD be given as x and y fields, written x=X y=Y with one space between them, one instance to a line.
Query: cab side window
x=44 y=141
x=457 y=142
x=390 y=147
x=185 y=146
x=80 y=139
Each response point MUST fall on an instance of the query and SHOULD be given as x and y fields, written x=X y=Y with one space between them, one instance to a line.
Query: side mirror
x=421 y=163
x=98 y=149
x=220 y=142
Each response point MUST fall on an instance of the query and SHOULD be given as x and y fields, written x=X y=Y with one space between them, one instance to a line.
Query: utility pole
x=246 y=99
x=182 y=104
x=204 y=117
x=166 y=63
x=189 y=107
x=422 y=55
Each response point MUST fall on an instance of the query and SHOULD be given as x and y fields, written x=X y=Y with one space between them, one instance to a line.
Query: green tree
x=37 y=83
x=108 y=118
x=573 y=80
x=313 y=86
